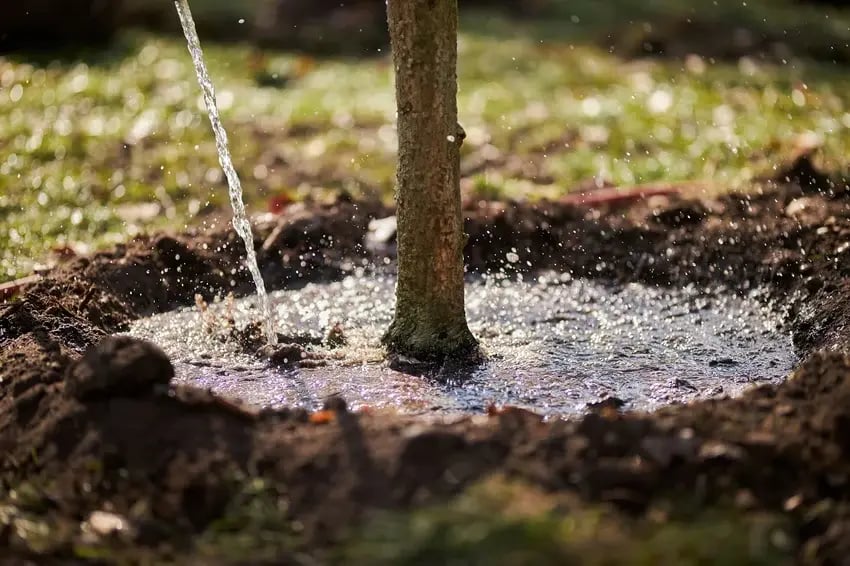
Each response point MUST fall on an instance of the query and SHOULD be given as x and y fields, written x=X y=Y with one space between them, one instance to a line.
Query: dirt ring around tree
x=89 y=429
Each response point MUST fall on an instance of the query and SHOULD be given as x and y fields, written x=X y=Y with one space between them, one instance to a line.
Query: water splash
x=553 y=345
x=240 y=217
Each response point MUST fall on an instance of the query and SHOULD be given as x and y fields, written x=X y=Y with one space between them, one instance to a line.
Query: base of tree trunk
x=431 y=343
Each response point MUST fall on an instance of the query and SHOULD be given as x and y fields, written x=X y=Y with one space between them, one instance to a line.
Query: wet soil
x=104 y=432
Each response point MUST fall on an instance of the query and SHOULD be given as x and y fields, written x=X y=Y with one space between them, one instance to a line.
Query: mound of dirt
x=97 y=452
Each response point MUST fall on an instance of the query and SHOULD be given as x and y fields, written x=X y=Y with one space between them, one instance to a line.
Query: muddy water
x=552 y=345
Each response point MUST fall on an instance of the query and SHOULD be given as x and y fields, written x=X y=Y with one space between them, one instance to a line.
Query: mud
x=168 y=460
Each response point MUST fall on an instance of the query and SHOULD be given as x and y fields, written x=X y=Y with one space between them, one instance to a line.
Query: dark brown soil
x=102 y=431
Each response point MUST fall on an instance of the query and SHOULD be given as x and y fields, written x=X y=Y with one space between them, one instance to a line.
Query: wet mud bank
x=104 y=434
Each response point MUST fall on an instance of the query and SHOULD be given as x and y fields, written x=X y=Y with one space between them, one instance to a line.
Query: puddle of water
x=552 y=346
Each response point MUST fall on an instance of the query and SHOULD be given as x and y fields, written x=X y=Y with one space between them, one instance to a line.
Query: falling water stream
x=240 y=217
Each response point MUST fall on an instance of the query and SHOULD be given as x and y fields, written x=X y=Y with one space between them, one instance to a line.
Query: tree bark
x=430 y=320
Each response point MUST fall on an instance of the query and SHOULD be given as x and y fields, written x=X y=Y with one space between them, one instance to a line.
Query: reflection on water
x=552 y=345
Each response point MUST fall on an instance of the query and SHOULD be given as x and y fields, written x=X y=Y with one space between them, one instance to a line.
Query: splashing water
x=240 y=217
x=553 y=345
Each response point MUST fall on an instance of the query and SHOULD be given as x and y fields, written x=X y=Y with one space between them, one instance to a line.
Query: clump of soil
x=98 y=435
x=118 y=366
x=290 y=350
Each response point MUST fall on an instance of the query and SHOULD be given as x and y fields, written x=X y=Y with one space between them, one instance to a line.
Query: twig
x=12 y=288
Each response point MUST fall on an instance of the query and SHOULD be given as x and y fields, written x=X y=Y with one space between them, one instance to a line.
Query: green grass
x=497 y=523
x=494 y=522
x=544 y=106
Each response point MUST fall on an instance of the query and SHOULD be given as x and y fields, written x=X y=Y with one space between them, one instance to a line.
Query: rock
x=119 y=366
x=103 y=524
x=811 y=208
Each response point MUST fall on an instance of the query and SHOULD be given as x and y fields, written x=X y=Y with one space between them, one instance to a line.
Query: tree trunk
x=430 y=321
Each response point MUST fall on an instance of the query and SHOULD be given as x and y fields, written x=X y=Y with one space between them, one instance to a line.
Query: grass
x=94 y=152
x=494 y=522
x=255 y=524
x=502 y=523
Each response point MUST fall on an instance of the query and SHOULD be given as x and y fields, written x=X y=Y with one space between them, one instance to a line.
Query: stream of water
x=240 y=217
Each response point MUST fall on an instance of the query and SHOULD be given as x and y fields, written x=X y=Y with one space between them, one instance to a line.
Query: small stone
x=807 y=208
x=804 y=205
x=796 y=206
x=119 y=366
x=103 y=524
x=793 y=502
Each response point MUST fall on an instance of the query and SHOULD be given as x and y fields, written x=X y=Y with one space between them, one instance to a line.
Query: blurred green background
x=103 y=134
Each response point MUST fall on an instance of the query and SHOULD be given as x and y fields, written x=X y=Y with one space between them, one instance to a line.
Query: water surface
x=553 y=345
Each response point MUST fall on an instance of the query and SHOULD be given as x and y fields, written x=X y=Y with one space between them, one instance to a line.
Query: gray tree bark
x=430 y=320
